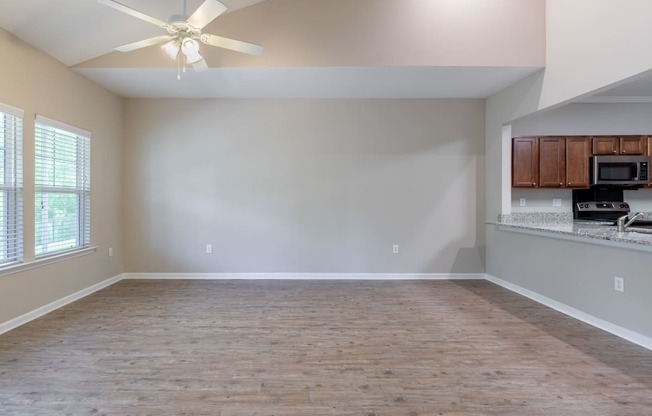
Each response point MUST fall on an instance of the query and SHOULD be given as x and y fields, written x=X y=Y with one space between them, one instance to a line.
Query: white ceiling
x=325 y=82
x=76 y=31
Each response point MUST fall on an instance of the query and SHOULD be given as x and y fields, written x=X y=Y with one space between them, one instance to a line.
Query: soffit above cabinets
x=635 y=90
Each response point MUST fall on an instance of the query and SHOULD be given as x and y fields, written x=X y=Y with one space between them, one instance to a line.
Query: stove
x=599 y=203
x=600 y=210
x=602 y=204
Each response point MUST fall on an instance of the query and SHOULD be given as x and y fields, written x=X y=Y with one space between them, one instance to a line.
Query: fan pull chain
x=179 y=67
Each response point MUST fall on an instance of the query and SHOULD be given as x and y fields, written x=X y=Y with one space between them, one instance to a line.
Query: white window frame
x=46 y=133
x=11 y=185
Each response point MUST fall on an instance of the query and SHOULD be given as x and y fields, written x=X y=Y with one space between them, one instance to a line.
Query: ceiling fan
x=183 y=33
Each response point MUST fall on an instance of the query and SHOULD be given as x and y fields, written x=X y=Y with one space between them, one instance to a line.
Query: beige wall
x=334 y=33
x=304 y=185
x=591 y=44
x=38 y=84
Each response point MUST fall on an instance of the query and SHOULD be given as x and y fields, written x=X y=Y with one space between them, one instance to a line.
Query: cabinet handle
x=534 y=184
x=560 y=184
x=615 y=151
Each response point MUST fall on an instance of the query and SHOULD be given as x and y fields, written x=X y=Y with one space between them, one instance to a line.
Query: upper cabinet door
x=605 y=145
x=649 y=153
x=618 y=145
x=552 y=162
x=525 y=162
x=633 y=145
x=578 y=155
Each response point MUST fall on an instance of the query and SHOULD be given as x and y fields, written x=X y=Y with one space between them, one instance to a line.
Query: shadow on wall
x=454 y=257
x=470 y=260
x=626 y=357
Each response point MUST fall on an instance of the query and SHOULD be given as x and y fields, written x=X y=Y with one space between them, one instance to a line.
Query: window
x=62 y=187
x=11 y=185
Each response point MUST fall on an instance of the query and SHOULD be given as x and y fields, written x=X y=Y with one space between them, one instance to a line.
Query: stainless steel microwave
x=620 y=170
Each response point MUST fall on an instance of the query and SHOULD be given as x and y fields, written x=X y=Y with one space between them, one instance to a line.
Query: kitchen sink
x=646 y=224
x=634 y=229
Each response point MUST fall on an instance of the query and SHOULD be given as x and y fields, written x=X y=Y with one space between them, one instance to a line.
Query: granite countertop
x=563 y=225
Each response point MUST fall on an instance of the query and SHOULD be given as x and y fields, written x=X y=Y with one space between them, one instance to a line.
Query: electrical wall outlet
x=110 y=251
x=209 y=248
x=521 y=202
x=556 y=202
x=619 y=284
x=395 y=249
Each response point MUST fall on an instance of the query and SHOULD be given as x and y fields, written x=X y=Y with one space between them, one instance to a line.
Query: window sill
x=43 y=261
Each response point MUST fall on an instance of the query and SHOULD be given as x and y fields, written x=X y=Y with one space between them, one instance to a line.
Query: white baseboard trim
x=619 y=331
x=52 y=306
x=305 y=276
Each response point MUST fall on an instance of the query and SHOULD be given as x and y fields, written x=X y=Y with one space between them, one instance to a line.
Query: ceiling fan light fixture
x=190 y=48
x=171 y=49
x=200 y=66
x=184 y=34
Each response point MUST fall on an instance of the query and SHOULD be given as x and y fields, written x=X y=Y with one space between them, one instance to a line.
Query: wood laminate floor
x=289 y=348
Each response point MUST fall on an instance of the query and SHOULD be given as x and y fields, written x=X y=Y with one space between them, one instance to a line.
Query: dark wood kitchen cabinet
x=633 y=145
x=605 y=145
x=552 y=162
x=525 y=162
x=649 y=153
x=618 y=145
x=578 y=154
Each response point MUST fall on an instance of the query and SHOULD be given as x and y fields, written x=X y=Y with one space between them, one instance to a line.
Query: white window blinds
x=11 y=185
x=62 y=187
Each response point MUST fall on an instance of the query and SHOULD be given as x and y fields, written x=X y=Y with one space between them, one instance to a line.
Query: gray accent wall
x=305 y=186
x=577 y=274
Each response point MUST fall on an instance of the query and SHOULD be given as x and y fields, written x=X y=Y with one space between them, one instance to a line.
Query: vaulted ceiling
x=313 y=48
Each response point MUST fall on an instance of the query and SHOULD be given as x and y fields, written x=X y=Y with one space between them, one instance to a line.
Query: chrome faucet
x=622 y=225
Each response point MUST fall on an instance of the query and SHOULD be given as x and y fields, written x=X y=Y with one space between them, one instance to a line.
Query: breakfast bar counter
x=562 y=226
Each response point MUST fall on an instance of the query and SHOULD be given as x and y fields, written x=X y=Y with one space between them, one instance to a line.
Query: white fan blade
x=200 y=66
x=135 y=13
x=206 y=13
x=143 y=43
x=232 y=44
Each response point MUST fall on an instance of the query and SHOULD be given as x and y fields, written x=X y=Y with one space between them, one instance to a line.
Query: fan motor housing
x=177 y=18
